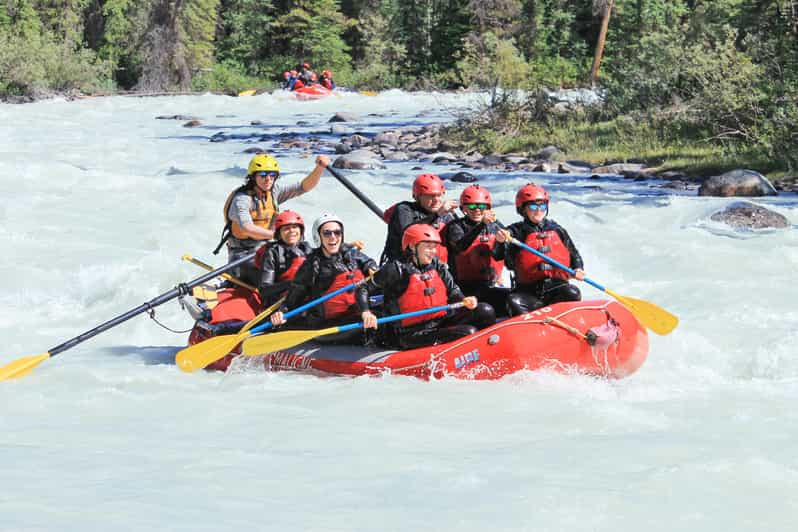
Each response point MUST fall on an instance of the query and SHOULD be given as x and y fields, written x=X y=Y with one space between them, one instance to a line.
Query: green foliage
x=246 y=37
x=39 y=65
x=313 y=31
x=228 y=78
x=493 y=63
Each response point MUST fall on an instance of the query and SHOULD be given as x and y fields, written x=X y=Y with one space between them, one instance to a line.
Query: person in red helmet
x=305 y=75
x=538 y=283
x=279 y=260
x=326 y=80
x=428 y=207
x=419 y=280
x=475 y=259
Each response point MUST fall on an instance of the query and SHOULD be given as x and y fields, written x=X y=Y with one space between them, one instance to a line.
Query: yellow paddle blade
x=277 y=341
x=653 y=317
x=368 y=93
x=249 y=92
x=266 y=313
x=204 y=293
x=21 y=366
x=199 y=355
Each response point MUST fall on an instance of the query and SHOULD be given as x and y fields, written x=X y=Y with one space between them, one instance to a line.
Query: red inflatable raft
x=554 y=338
x=312 y=92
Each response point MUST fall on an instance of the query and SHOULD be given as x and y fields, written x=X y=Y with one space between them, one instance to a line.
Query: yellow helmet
x=263 y=162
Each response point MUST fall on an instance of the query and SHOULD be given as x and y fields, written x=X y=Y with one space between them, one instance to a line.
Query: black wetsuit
x=459 y=235
x=532 y=296
x=394 y=279
x=407 y=213
x=315 y=277
x=276 y=260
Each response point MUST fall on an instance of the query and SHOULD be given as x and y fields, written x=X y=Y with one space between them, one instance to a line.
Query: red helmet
x=428 y=184
x=475 y=194
x=288 y=218
x=417 y=233
x=286 y=74
x=529 y=193
x=305 y=65
x=327 y=73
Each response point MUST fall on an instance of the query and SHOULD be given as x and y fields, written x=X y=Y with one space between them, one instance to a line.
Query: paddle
x=278 y=341
x=199 y=355
x=227 y=276
x=655 y=318
x=23 y=366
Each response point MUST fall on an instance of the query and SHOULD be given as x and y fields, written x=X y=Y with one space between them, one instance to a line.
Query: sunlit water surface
x=100 y=201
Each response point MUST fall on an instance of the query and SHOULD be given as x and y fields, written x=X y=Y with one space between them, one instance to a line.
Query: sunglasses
x=535 y=207
x=328 y=233
x=272 y=174
x=475 y=206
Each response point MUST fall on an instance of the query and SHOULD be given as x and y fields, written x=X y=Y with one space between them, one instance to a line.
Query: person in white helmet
x=331 y=265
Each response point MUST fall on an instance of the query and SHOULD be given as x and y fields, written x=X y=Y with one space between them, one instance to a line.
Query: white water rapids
x=100 y=201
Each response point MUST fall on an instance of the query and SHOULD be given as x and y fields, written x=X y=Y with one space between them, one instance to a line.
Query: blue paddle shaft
x=397 y=317
x=303 y=308
x=555 y=263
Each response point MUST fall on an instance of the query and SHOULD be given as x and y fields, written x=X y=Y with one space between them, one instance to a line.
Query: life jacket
x=476 y=262
x=262 y=212
x=387 y=216
x=289 y=273
x=530 y=268
x=340 y=304
x=424 y=290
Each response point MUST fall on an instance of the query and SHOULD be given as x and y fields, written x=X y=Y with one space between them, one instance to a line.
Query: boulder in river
x=343 y=117
x=737 y=183
x=359 y=160
x=747 y=215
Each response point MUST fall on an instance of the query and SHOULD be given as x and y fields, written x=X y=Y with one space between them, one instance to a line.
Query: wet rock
x=442 y=157
x=192 y=123
x=425 y=145
x=464 y=177
x=672 y=175
x=737 y=183
x=173 y=170
x=448 y=146
x=343 y=147
x=387 y=137
x=549 y=152
x=343 y=117
x=358 y=141
x=568 y=168
x=543 y=166
x=256 y=123
x=618 y=168
x=303 y=123
x=491 y=160
x=176 y=117
x=254 y=149
x=395 y=156
x=359 y=160
x=218 y=137
x=746 y=215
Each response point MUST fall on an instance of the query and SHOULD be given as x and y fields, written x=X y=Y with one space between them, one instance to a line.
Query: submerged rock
x=737 y=183
x=746 y=215
x=343 y=117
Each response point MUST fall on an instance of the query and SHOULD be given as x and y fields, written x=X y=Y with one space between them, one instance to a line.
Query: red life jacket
x=443 y=253
x=424 y=290
x=340 y=304
x=476 y=263
x=288 y=274
x=530 y=268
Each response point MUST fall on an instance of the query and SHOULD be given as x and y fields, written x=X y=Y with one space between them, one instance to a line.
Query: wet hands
x=369 y=320
x=470 y=302
x=448 y=206
x=322 y=161
x=503 y=235
x=277 y=319
x=579 y=274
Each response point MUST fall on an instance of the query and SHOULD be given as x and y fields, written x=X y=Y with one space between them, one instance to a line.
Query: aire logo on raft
x=467 y=359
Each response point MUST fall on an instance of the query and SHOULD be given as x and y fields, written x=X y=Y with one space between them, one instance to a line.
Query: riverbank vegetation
x=684 y=82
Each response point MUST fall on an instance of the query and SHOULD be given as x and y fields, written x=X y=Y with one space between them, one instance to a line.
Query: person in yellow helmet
x=250 y=210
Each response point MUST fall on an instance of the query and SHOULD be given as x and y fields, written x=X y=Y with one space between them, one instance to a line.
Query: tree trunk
x=605 y=24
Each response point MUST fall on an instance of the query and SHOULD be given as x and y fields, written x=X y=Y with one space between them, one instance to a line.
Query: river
x=101 y=200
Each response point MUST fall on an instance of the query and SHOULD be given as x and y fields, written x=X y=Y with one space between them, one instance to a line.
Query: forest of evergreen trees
x=729 y=67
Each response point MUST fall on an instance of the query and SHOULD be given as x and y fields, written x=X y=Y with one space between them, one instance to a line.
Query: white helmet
x=321 y=220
